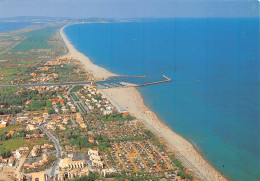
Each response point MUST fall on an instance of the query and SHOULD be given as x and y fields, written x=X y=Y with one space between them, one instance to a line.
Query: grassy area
x=8 y=71
x=12 y=127
x=14 y=144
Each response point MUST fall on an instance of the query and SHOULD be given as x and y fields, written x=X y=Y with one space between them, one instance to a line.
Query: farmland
x=38 y=44
x=22 y=51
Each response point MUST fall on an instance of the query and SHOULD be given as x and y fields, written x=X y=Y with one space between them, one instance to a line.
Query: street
x=58 y=148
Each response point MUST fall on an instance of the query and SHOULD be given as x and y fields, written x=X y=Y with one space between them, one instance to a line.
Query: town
x=60 y=132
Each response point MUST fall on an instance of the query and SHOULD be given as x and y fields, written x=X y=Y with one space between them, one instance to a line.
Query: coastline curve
x=131 y=99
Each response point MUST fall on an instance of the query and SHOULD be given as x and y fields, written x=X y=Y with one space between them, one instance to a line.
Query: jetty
x=167 y=79
x=138 y=76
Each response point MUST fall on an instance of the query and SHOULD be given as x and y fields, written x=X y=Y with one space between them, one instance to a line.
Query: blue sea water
x=12 y=26
x=215 y=92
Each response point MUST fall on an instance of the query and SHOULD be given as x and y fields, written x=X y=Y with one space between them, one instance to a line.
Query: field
x=23 y=51
x=14 y=144
x=38 y=44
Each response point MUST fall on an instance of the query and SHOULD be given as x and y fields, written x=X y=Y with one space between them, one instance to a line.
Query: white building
x=107 y=112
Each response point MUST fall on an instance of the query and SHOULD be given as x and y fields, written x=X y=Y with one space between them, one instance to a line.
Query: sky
x=129 y=8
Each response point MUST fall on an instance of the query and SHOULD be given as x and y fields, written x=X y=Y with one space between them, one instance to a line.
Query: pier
x=167 y=79
x=118 y=84
x=138 y=76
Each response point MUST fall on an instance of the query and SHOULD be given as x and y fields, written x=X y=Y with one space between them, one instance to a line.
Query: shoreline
x=131 y=99
x=98 y=72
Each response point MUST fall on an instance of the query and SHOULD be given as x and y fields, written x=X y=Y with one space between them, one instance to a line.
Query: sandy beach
x=98 y=72
x=131 y=99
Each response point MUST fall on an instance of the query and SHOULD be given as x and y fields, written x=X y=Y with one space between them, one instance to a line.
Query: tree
x=51 y=111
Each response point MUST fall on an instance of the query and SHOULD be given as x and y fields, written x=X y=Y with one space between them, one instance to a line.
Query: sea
x=12 y=26
x=214 y=98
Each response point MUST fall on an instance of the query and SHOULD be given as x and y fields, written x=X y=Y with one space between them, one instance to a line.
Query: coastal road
x=58 y=148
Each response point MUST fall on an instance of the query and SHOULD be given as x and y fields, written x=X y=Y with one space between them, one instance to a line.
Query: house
x=33 y=75
x=94 y=157
x=98 y=164
x=46 y=146
x=69 y=163
x=24 y=149
x=45 y=115
x=55 y=75
x=91 y=107
x=132 y=154
x=104 y=172
x=30 y=127
x=107 y=112
x=22 y=119
x=91 y=139
x=92 y=152
x=11 y=161
x=3 y=124
x=125 y=114
x=40 y=176
x=36 y=150
x=20 y=177
x=72 y=173
x=61 y=127
x=18 y=154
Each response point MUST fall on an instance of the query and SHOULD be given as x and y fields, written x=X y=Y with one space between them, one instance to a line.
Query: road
x=80 y=104
x=47 y=84
x=58 y=148
x=21 y=162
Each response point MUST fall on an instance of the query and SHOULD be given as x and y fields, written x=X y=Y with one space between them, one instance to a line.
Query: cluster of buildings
x=130 y=149
x=60 y=121
x=58 y=61
x=140 y=155
x=117 y=130
x=7 y=161
x=46 y=68
x=80 y=121
x=52 y=71
x=95 y=101
x=30 y=119
x=70 y=168
x=95 y=159
x=19 y=152
x=37 y=148
x=44 y=161
x=43 y=77
x=37 y=176
x=65 y=103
